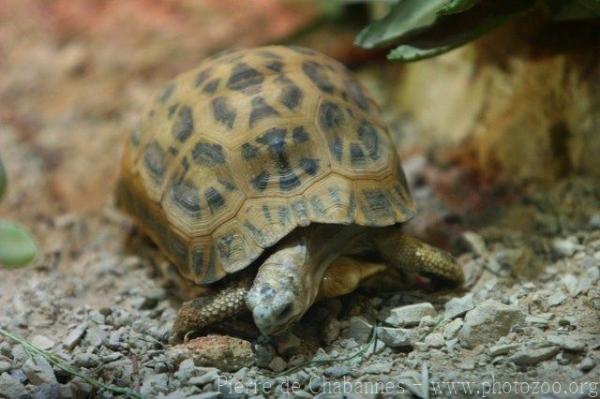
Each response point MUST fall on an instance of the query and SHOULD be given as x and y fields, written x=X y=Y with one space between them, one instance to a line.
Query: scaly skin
x=342 y=276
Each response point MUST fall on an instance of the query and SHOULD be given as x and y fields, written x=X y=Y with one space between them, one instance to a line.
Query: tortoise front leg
x=211 y=309
x=413 y=256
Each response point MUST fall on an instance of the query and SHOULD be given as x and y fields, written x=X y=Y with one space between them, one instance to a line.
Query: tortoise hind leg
x=413 y=256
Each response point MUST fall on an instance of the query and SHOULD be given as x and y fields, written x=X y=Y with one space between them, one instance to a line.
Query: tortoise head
x=285 y=287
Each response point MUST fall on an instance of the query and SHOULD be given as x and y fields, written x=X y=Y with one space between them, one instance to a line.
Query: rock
x=39 y=371
x=537 y=321
x=475 y=242
x=567 y=343
x=205 y=395
x=185 y=370
x=557 y=298
x=220 y=351
x=489 y=321
x=11 y=387
x=5 y=365
x=19 y=355
x=47 y=391
x=95 y=336
x=359 y=329
x=586 y=364
x=595 y=221
x=435 y=340
x=332 y=331
x=87 y=360
x=456 y=307
x=155 y=384
x=410 y=315
x=277 y=364
x=42 y=342
x=396 y=337
x=204 y=378
x=74 y=337
x=377 y=368
x=571 y=284
x=452 y=328
x=264 y=351
x=336 y=371
x=288 y=344
x=503 y=349
x=530 y=357
x=564 y=247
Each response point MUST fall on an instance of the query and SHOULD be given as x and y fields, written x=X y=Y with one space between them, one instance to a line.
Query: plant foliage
x=421 y=29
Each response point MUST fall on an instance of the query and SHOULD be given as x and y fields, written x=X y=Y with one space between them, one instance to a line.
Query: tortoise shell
x=233 y=155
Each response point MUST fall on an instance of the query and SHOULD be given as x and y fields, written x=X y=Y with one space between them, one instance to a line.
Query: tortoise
x=268 y=173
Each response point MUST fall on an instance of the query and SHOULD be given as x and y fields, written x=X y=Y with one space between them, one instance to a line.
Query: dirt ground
x=73 y=78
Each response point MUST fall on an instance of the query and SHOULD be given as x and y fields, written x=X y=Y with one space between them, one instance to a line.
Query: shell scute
x=235 y=154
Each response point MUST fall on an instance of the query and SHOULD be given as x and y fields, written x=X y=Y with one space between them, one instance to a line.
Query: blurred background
x=494 y=107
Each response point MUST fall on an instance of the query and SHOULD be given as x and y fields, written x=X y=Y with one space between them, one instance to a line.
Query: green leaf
x=458 y=29
x=574 y=10
x=456 y=6
x=406 y=18
x=17 y=247
x=2 y=180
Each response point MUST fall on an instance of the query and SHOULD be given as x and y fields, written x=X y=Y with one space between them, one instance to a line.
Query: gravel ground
x=527 y=322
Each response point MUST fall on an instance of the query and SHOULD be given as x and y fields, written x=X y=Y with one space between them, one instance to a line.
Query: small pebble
x=586 y=364
x=410 y=315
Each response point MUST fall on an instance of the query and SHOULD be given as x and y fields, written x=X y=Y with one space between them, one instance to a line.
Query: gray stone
x=557 y=298
x=155 y=384
x=87 y=360
x=396 y=337
x=204 y=378
x=205 y=395
x=530 y=357
x=410 y=315
x=595 y=221
x=565 y=247
x=5 y=365
x=489 y=321
x=452 y=328
x=185 y=370
x=277 y=364
x=10 y=386
x=332 y=331
x=264 y=353
x=19 y=355
x=5 y=348
x=475 y=242
x=74 y=337
x=336 y=371
x=47 y=391
x=95 y=336
x=571 y=284
x=435 y=340
x=537 y=321
x=42 y=342
x=288 y=344
x=567 y=343
x=502 y=349
x=377 y=368
x=456 y=307
x=360 y=329
x=39 y=371
x=586 y=364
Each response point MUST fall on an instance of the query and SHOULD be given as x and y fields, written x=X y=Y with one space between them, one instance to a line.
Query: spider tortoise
x=269 y=170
